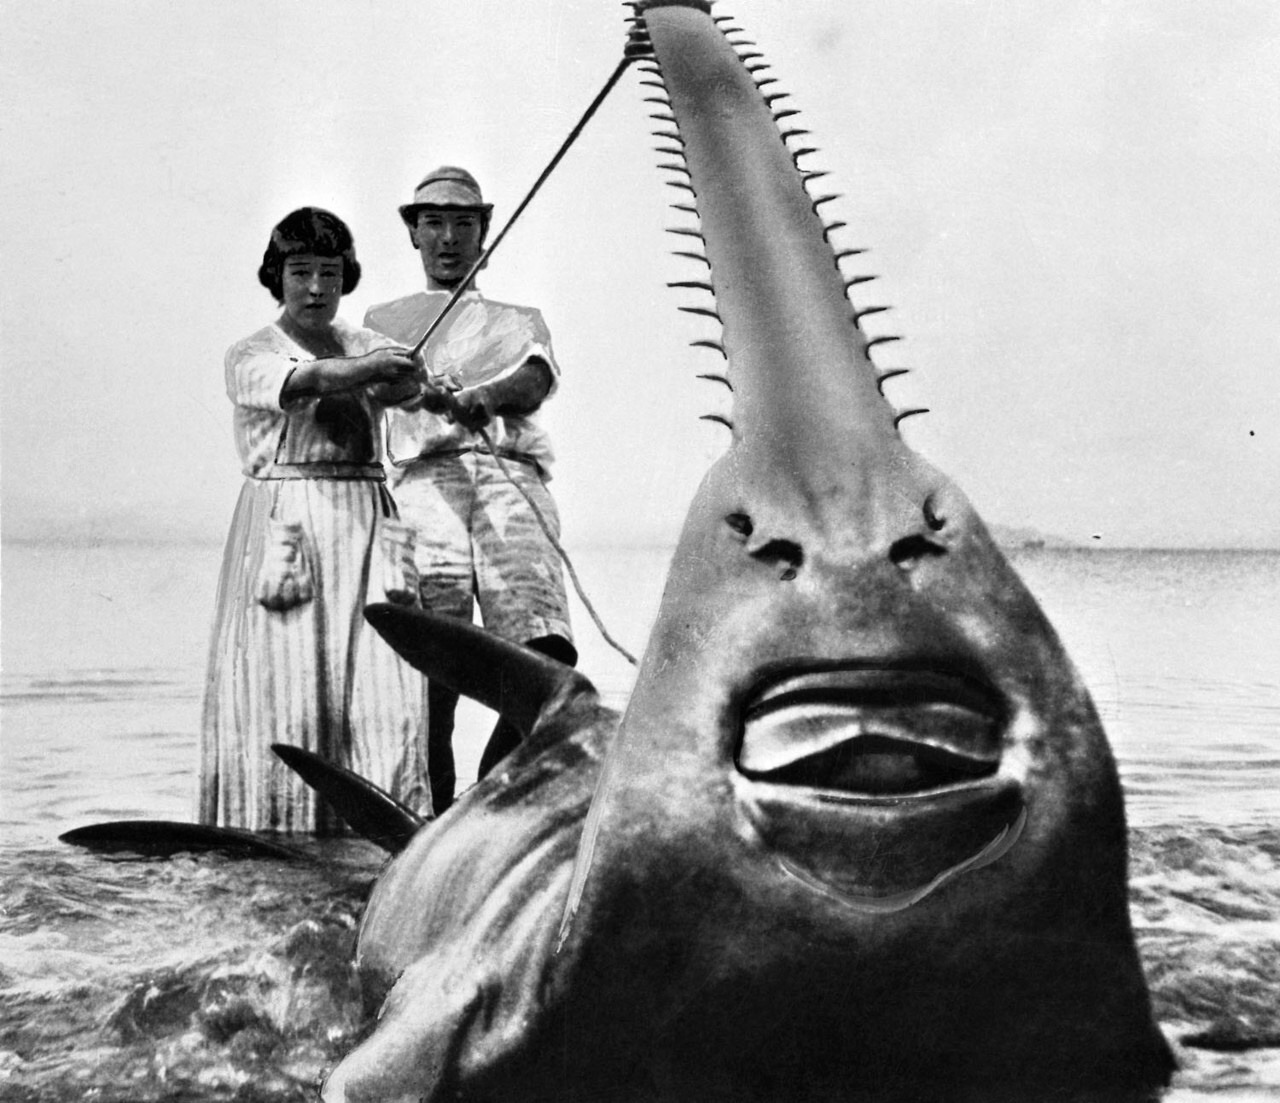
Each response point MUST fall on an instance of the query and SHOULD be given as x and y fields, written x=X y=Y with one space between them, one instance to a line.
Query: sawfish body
x=858 y=834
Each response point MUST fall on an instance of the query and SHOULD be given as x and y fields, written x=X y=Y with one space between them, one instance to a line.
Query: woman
x=313 y=540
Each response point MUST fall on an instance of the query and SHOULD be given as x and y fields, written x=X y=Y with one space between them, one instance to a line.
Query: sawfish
x=858 y=833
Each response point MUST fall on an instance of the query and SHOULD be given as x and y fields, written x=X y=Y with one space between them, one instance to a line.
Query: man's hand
x=437 y=394
x=517 y=394
x=473 y=409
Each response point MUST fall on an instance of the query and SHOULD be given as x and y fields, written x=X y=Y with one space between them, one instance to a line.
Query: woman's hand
x=393 y=370
x=386 y=365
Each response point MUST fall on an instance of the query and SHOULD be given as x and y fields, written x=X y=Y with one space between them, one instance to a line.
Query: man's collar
x=470 y=293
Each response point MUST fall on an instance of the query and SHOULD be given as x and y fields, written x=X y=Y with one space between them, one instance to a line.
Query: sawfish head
x=853 y=725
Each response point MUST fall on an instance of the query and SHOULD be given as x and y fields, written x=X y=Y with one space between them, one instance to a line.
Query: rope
x=564 y=555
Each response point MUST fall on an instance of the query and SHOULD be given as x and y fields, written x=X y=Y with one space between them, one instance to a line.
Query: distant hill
x=1011 y=536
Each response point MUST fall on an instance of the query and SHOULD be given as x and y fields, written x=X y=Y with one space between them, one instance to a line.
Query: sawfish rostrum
x=858 y=834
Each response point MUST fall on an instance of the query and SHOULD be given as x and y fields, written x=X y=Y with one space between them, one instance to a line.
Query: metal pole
x=564 y=148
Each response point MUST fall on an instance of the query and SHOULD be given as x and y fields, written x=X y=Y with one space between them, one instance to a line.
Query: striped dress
x=304 y=668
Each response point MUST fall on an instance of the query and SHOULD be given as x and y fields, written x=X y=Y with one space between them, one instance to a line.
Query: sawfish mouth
x=872 y=733
x=877 y=785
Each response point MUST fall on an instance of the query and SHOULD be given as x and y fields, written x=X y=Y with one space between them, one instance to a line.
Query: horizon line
x=1018 y=543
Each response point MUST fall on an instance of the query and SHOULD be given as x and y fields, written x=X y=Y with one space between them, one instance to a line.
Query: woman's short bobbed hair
x=308 y=230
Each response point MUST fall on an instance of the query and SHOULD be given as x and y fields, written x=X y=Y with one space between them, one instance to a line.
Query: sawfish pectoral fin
x=362 y=806
x=409 y=1057
x=433 y=1027
x=525 y=687
x=165 y=838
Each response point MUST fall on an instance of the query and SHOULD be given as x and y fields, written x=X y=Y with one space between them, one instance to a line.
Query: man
x=491 y=368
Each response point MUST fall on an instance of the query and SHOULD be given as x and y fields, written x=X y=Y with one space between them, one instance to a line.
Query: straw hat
x=446 y=187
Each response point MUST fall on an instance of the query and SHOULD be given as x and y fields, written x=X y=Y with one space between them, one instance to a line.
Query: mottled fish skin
x=858 y=834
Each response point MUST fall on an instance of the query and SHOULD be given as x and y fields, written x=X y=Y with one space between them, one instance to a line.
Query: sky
x=1073 y=206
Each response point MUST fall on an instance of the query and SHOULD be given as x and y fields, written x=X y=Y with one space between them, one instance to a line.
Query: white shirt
x=481 y=341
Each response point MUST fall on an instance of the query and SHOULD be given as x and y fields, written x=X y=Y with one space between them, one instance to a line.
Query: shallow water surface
x=192 y=978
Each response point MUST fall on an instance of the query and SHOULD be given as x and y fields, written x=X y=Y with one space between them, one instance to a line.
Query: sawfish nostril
x=931 y=516
x=784 y=554
x=908 y=551
x=740 y=523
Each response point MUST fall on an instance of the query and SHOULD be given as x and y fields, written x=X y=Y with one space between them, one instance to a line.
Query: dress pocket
x=399 y=571
x=285 y=578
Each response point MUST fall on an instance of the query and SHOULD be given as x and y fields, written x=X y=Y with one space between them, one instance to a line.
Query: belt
x=478 y=449
x=336 y=471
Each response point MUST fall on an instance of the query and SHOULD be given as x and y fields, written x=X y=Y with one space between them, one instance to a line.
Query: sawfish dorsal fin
x=362 y=806
x=523 y=686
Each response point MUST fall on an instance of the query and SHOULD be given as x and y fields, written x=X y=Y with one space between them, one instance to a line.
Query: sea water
x=205 y=978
